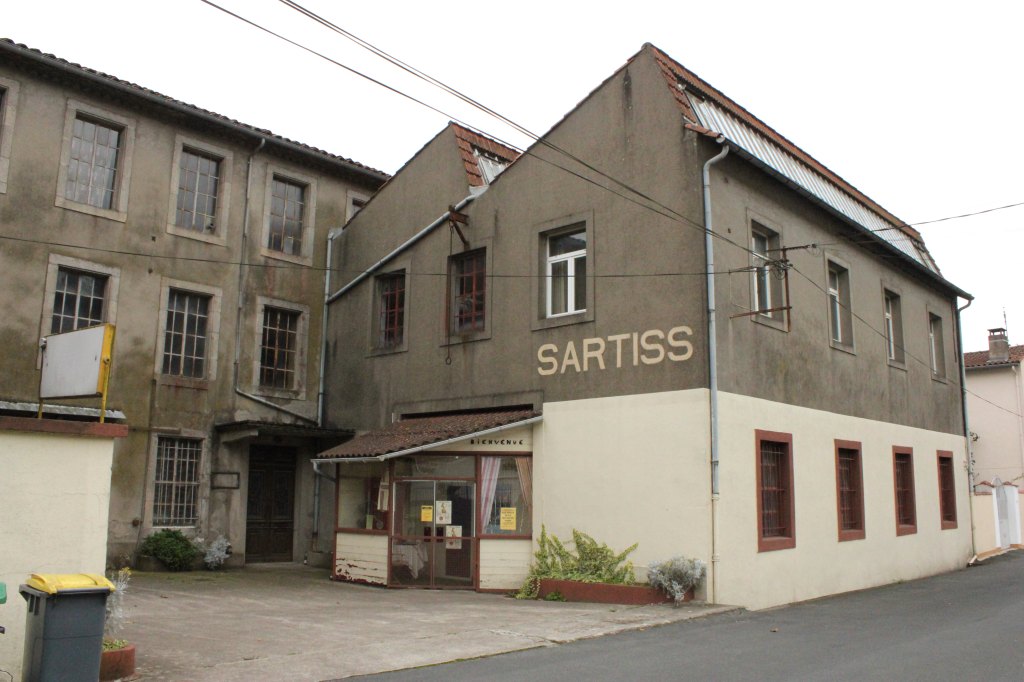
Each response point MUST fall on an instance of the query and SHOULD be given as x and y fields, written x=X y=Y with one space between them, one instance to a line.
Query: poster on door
x=443 y=515
x=453 y=539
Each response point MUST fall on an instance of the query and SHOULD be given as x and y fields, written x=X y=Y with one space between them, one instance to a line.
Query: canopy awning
x=412 y=435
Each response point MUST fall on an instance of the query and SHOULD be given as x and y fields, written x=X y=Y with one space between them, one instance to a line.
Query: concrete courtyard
x=288 y=621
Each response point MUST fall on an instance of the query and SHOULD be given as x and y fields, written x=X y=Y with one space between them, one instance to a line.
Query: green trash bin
x=64 y=626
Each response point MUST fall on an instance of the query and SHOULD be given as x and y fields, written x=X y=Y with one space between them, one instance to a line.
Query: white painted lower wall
x=54 y=498
x=362 y=557
x=504 y=564
x=626 y=469
x=819 y=564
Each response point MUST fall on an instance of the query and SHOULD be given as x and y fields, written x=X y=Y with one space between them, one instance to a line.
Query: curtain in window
x=489 y=469
x=524 y=465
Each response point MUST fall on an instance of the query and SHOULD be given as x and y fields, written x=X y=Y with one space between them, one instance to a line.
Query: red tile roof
x=8 y=48
x=979 y=358
x=467 y=140
x=675 y=73
x=425 y=431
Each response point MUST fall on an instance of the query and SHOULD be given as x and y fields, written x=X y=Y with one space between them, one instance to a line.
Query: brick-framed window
x=903 y=484
x=186 y=334
x=79 y=300
x=469 y=291
x=391 y=310
x=947 y=489
x=775 y=517
x=849 y=490
x=96 y=161
x=176 y=482
x=279 y=347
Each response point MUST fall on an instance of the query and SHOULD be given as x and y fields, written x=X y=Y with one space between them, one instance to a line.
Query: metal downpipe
x=709 y=253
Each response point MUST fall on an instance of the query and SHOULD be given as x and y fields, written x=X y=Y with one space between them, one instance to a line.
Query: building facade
x=995 y=398
x=203 y=240
x=662 y=324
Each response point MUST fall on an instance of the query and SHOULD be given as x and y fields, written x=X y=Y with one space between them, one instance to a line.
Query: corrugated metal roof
x=760 y=147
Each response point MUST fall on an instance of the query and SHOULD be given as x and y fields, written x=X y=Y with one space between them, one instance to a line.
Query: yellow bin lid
x=52 y=583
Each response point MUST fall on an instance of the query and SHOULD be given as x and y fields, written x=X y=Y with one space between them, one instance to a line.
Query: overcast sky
x=919 y=106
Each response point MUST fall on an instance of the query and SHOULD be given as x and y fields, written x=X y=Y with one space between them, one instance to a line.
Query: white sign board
x=75 y=363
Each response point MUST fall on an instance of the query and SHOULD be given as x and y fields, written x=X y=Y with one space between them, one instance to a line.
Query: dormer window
x=490 y=165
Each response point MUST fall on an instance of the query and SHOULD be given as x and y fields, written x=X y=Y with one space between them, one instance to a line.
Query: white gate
x=1006 y=500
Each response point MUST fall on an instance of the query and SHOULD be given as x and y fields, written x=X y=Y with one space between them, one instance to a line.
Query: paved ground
x=289 y=622
x=966 y=625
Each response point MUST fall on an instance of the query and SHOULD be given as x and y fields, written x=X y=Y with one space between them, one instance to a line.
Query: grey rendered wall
x=630 y=128
x=801 y=367
x=146 y=253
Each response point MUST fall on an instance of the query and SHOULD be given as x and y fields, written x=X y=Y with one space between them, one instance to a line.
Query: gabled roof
x=979 y=359
x=422 y=432
x=710 y=112
x=469 y=140
x=11 y=50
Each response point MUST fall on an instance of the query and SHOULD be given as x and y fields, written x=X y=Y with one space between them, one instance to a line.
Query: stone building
x=204 y=241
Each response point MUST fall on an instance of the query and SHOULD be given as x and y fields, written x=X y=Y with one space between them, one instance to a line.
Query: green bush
x=592 y=562
x=172 y=548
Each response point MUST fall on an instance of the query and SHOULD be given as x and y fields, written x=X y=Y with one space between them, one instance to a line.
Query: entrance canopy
x=420 y=433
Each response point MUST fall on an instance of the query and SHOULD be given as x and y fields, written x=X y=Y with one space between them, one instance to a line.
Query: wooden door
x=270 y=511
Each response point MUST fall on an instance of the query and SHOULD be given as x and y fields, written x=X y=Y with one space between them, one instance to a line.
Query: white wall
x=999 y=450
x=626 y=469
x=362 y=557
x=504 y=564
x=54 y=497
x=819 y=564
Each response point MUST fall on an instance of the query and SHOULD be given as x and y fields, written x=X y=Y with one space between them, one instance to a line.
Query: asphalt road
x=967 y=625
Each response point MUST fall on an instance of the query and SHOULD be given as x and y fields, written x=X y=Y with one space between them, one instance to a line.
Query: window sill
x=845 y=348
x=773 y=544
x=390 y=350
x=847 y=535
x=772 y=322
x=282 y=393
x=209 y=238
x=184 y=382
x=896 y=364
x=939 y=379
x=505 y=537
x=563 y=320
x=466 y=337
x=362 y=531
x=280 y=255
x=948 y=525
x=108 y=213
x=906 y=530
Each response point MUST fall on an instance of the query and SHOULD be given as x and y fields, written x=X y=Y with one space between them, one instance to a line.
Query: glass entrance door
x=433 y=540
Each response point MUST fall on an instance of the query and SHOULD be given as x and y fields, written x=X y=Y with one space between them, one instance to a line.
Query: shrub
x=172 y=548
x=676 y=575
x=592 y=562
x=217 y=553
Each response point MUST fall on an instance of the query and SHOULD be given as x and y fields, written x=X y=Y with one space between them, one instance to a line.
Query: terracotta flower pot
x=117 y=664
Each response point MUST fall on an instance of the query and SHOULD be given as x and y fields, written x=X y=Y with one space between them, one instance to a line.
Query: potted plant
x=676 y=577
x=171 y=548
x=118 y=658
x=590 y=571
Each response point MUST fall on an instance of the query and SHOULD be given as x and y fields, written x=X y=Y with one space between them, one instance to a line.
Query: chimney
x=998 y=345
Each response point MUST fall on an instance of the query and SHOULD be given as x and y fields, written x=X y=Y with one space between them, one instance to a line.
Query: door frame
x=473 y=538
